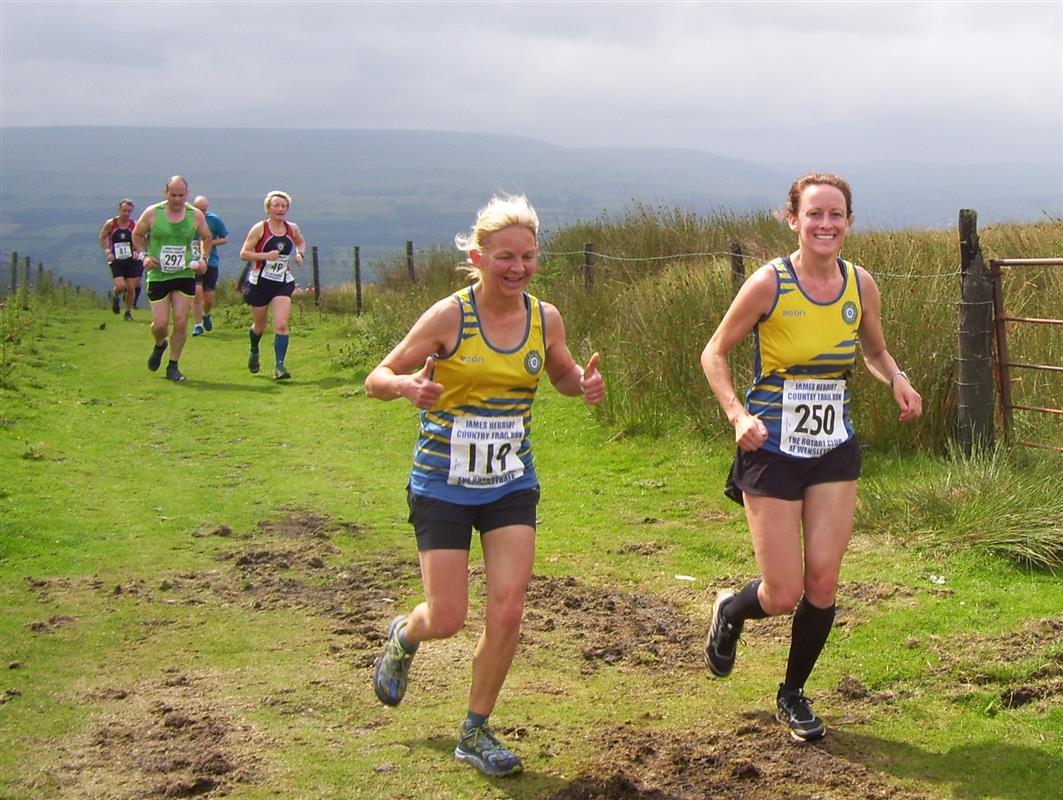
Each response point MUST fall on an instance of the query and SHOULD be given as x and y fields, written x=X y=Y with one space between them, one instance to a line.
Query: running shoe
x=155 y=359
x=795 y=711
x=393 y=667
x=173 y=373
x=116 y=303
x=198 y=330
x=252 y=362
x=280 y=373
x=207 y=323
x=128 y=315
x=721 y=644
x=479 y=747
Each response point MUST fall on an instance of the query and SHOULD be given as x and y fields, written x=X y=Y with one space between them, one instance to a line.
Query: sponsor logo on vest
x=533 y=362
x=471 y=359
x=849 y=312
x=793 y=312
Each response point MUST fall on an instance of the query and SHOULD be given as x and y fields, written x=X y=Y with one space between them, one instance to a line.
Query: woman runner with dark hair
x=797 y=459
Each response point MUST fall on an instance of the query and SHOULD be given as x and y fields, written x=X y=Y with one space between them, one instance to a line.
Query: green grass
x=113 y=579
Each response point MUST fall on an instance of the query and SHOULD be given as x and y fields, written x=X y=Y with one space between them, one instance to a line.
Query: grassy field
x=195 y=580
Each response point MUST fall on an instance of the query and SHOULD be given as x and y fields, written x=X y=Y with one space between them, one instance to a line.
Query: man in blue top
x=206 y=282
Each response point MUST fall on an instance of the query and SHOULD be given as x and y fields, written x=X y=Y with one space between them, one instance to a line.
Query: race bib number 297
x=172 y=258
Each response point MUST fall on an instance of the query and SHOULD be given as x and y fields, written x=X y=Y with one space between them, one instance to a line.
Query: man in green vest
x=164 y=233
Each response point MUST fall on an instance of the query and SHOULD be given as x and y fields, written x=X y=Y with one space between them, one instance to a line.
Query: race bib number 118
x=483 y=451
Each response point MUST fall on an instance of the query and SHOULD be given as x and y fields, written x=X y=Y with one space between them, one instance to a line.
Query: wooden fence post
x=974 y=382
x=588 y=265
x=409 y=261
x=26 y=272
x=738 y=267
x=317 y=275
x=40 y=274
x=14 y=272
x=357 y=280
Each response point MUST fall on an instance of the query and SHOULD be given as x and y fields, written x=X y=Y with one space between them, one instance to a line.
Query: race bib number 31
x=813 y=419
x=172 y=258
x=483 y=451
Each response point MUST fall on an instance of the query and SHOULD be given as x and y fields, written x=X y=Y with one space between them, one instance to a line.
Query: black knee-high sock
x=809 y=633
x=745 y=605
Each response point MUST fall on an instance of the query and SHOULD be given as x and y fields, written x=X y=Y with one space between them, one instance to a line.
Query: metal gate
x=1004 y=364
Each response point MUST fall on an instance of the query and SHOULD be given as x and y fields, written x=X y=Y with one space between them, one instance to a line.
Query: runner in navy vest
x=116 y=239
x=272 y=246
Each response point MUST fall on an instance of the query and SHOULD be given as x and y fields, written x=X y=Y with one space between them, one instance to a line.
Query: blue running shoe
x=198 y=330
x=393 y=667
x=207 y=324
x=479 y=747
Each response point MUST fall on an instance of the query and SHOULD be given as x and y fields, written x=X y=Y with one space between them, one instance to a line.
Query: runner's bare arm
x=206 y=241
x=141 y=232
x=752 y=302
x=300 y=243
x=877 y=358
x=248 y=252
x=565 y=374
x=435 y=333
x=105 y=237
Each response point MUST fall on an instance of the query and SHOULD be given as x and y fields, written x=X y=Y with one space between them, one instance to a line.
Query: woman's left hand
x=908 y=399
x=592 y=383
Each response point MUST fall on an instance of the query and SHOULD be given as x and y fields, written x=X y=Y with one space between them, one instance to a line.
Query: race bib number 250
x=483 y=451
x=813 y=420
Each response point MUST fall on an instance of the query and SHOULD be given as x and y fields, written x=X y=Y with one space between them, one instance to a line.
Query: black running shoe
x=281 y=372
x=208 y=325
x=795 y=711
x=155 y=359
x=252 y=362
x=128 y=315
x=116 y=303
x=721 y=644
x=173 y=373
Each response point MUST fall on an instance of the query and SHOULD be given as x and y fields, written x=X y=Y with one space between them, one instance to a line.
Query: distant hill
x=378 y=188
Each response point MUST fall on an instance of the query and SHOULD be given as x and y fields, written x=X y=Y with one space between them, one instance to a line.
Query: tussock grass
x=1007 y=504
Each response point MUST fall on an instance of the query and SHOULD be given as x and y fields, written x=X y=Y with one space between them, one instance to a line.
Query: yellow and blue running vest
x=803 y=352
x=474 y=443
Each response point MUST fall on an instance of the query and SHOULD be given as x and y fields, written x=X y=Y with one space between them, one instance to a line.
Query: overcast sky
x=963 y=82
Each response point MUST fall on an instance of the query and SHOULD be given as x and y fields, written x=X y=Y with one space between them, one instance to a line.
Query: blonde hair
x=276 y=193
x=499 y=213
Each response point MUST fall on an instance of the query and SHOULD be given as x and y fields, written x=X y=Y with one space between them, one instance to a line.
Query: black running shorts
x=160 y=290
x=259 y=294
x=767 y=474
x=440 y=525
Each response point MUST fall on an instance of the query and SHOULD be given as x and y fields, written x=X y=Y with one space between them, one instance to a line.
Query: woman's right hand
x=420 y=389
x=750 y=432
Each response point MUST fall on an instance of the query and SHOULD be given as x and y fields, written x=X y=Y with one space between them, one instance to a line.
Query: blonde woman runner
x=471 y=364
